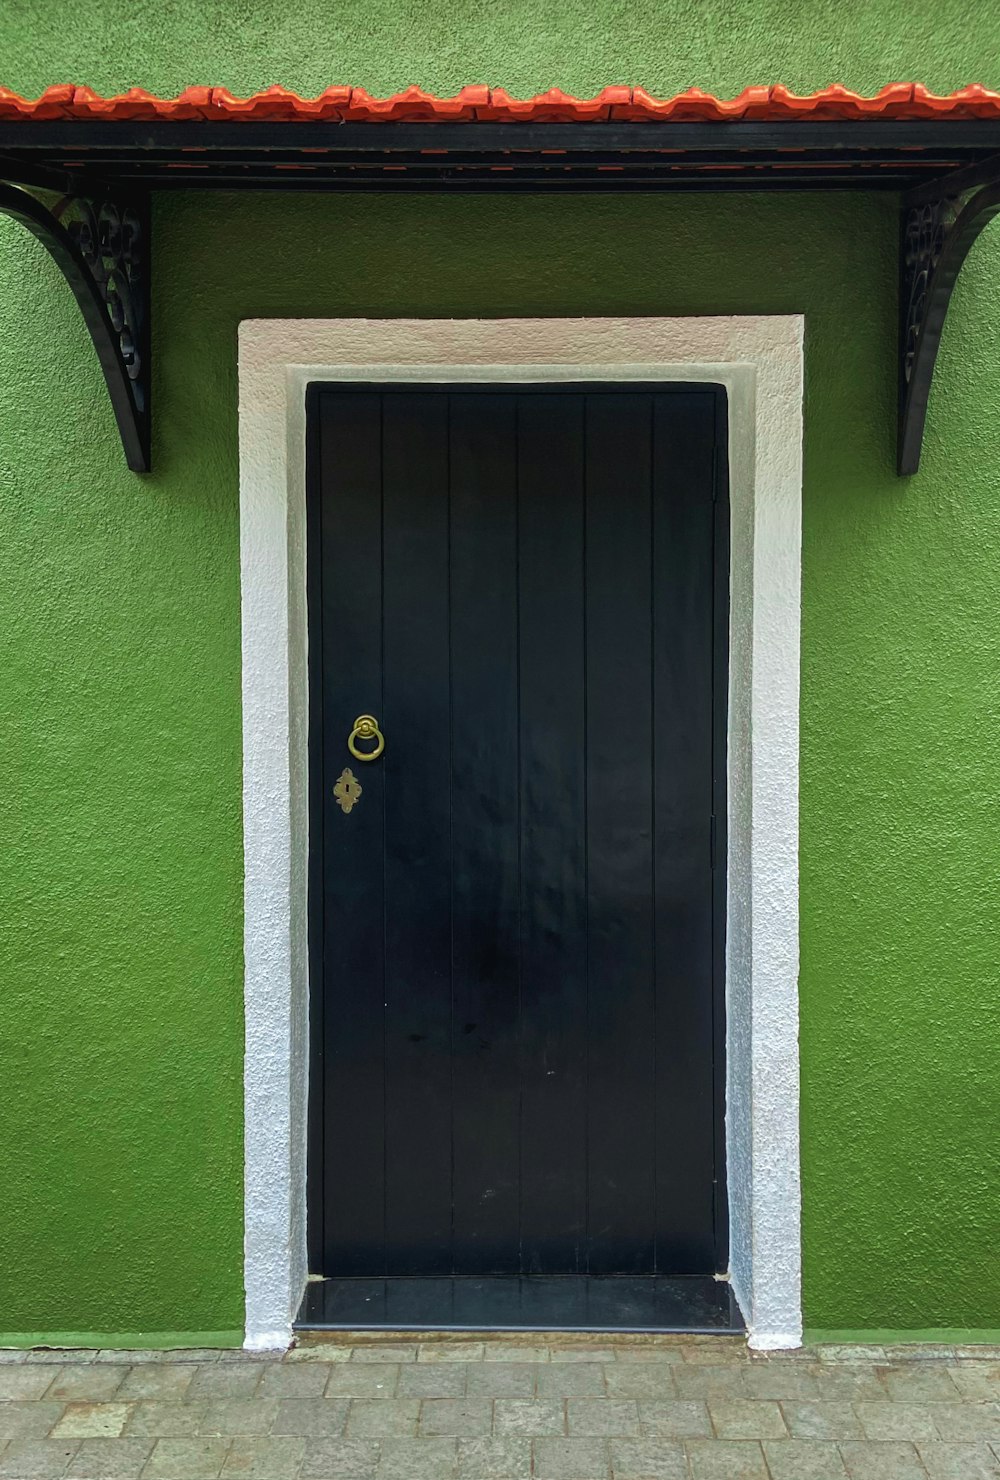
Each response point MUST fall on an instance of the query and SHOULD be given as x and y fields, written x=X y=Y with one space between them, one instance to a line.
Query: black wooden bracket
x=99 y=239
x=939 y=223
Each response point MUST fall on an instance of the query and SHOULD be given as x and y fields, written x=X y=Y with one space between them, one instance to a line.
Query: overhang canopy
x=79 y=170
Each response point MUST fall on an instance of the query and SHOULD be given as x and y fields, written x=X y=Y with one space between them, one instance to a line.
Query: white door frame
x=759 y=361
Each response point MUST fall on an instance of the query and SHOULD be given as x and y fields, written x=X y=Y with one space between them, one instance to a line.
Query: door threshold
x=586 y=1303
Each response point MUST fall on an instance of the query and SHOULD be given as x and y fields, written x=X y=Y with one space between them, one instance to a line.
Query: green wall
x=120 y=947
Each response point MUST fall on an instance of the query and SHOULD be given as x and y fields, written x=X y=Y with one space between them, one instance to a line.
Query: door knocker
x=366 y=728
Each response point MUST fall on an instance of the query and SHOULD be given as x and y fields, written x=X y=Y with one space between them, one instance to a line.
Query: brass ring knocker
x=366 y=728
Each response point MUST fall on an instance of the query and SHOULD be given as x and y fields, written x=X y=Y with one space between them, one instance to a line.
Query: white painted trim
x=759 y=360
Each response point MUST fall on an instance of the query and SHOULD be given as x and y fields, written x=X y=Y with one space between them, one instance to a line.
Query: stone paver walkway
x=666 y=1408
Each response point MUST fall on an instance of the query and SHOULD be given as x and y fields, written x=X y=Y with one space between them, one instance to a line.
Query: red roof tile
x=480 y=104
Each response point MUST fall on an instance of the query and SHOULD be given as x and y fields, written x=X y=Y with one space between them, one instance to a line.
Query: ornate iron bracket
x=938 y=226
x=100 y=242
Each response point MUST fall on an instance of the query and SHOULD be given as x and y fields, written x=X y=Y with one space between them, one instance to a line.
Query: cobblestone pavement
x=666 y=1408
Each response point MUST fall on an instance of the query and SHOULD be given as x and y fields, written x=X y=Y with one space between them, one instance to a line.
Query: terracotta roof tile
x=483 y=104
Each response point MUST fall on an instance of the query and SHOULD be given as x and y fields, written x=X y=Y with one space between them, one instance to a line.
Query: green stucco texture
x=121 y=866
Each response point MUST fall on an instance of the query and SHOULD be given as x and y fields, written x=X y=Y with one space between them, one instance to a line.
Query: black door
x=517 y=924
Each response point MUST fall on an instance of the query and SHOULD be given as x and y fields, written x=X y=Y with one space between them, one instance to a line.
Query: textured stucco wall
x=120 y=957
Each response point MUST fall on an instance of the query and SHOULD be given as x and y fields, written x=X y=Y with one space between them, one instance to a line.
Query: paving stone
x=387 y=1352
x=714 y=1353
x=571 y=1459
x=91 y=1421
x=28 y=1420
x=186 y=1459
x=497 y=1379
x=166 y=1420
x=322 y=1351
x=374 y=1418
x=494 y=1459
x=896 y=1420
x=852 y=1384
x=971 y=1461
x=25 y=1382
x=514 y=1353
x=24 y=1459
x=55 y=1356
x=679 y=1418
x=451 y=1351
x=747 y=1418
x=169 y=1383
x=882 y=1461
x=136 y=1357
x=439 y=1379
x=922 y=1351
x=803 y=1459
x=225 y=1380
x=462 y=1417
x=782 y=1380
x=312 y=1417
x=418 y=1459
x=357 y=1381
x=231 y=1416
x=340 y=1459
x=708 y=1382
x=967 y=1420
x=567 y=1355
x=591 y=1416
x=573 y=1380
x=651 y=1380
x=668 y=1355
x=648 y=1459
x=726 y=1459
x=920 y=1382
x=979 y=1380
x=269 y=1459
x=86 y=1382
x=110 y=1459
x=861 y=1353
x=836 y=1420
x=526 y=1416
x=303 y=1381
x=9 y=1355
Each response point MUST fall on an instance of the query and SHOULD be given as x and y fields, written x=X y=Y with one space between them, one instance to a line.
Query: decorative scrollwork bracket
x=100 y=242
x=938 y=226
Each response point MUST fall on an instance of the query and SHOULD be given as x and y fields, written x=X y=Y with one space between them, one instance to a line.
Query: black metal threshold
x=625 y=1303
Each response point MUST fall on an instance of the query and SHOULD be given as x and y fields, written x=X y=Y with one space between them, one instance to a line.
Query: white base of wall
x=759 y=360
x=774 y=1341
x=269 y=1341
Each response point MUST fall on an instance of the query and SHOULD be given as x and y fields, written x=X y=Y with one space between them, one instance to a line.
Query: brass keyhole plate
x=347 y=790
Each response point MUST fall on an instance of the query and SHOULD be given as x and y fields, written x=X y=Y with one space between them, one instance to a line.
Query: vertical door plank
x=553 y=843
x=621 y=1018
x=416 y=764
x=484 y=751
x=350 y=457
x=683 y=559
